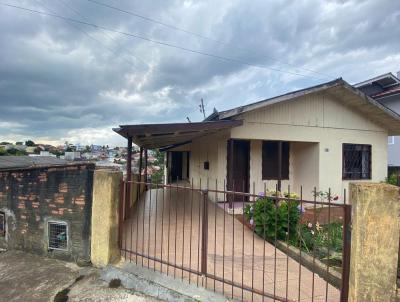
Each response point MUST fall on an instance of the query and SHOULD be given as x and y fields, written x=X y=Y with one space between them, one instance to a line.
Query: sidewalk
x=28 y=277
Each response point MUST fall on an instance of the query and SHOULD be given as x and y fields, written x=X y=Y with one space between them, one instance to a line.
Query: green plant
x=271 y=218
x=392 y=179
x=325 y=241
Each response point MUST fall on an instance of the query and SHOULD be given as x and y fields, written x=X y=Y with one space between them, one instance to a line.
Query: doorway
x=238 y=168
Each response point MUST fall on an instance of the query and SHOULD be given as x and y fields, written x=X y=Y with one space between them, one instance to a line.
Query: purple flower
x=251 y=221
x=261 y=194
x=301 y=209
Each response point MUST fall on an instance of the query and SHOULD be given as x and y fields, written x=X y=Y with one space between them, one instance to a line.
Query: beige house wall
x=315 y=125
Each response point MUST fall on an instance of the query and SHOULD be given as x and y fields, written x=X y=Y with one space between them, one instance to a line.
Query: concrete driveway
x=167 y=227
x=27 y=277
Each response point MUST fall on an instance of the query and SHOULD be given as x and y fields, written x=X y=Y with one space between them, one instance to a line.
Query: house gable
x=315 y=110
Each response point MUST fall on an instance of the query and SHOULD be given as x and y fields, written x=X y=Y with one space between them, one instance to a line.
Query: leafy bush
x=325 y=241
x=392 y=179
x=268 y=217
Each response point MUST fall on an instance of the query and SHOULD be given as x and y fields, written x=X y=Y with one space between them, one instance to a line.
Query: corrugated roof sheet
x=18 y=162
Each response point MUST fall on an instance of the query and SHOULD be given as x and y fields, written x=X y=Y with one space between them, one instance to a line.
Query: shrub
x=268 y=217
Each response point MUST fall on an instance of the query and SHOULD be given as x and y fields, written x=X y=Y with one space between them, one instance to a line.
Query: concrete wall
x=106 y=195
x=374 y=242
x=33 y=197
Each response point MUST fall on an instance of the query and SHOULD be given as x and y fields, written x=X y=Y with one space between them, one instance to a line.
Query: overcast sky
x=65 y=81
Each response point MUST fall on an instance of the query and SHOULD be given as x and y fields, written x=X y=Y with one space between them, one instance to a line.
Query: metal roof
x=155 y=136
x=383 y=80
x=21 y=162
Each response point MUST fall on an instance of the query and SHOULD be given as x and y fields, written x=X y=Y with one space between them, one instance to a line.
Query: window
x=391 y=140
x=58 y=235
x=2 y=224
x=356 y=161
x=270 y=160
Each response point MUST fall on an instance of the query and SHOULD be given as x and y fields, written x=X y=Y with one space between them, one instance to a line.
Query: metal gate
x=190 y=232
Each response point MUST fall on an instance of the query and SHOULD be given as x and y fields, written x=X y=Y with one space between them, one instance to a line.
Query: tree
x=29 y=143
x=19 y=143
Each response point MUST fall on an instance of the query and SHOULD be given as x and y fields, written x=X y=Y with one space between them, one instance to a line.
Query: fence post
x=204 y=234
x=344 y=294
x=374 y=241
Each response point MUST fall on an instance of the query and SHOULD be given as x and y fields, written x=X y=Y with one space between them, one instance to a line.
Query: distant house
x=324 y=136
x=386 y=89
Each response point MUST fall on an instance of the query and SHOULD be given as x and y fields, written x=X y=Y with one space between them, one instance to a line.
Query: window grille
x=58 y=235
x=356 y=161
x=2 y=224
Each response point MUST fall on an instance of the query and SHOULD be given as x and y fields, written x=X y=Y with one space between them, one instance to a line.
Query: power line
x=211 y=55
x=173 y=27
x=104 y=32
x=84 y=32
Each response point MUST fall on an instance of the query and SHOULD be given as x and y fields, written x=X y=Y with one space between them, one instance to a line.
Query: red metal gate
x=178 y=230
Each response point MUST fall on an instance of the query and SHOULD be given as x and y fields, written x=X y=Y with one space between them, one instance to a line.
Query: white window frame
x=390 y=140
x=48 y=234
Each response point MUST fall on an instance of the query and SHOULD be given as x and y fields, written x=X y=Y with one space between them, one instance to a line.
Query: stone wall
x=30 y=198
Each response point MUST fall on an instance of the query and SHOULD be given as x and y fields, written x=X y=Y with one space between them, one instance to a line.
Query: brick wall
x=32 y=197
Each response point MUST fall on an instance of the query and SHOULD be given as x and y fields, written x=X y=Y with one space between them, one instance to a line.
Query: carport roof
x=155 y=136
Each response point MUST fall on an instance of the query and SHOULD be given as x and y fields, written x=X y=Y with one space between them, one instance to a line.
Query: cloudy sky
x=62 y=80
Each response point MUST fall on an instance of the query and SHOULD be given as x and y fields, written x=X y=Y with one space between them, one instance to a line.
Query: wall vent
x=57 y=235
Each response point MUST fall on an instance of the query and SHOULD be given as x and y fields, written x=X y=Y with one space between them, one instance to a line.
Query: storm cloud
x=67 y=81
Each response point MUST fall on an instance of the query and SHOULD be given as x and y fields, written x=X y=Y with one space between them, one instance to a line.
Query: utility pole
x=201 y=106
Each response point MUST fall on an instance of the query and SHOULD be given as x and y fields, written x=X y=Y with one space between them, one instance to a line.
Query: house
x=321 y=137
x=386 y=90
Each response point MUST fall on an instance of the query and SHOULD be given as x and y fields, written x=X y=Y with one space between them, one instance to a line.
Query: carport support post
x=374 y=242
x=127 y=198
x=204 y=234
x=140 y=171
x=145 y=167
x=230 y=180
x=279 y=166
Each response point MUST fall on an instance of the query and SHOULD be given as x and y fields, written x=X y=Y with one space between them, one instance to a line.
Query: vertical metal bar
x=328 y=239
x=314 y=248
x=145 y=168
x=149 y=230
x=344 y=294
x=169 y=225
x=215 y=229
x=287 y=242
x=128 y=174
x=137 y=223
x=140 y=166
x=264 y=210
x=191 y=233
x=162 y=227
x=279 y=166
x=275 y=235
x=183 y=228
x=144 y=214
x=198 y=238
x=155 y=228
x=252 y=255
x=176 y=225
x=121 y=212
x=129 y=184
x=243 y=199
x=223 y=243
x=233 y=235
x=300 y=240
x=204 y=234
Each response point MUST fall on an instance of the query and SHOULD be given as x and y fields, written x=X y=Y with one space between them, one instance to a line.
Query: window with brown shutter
x=356 y=161
x=270 y=160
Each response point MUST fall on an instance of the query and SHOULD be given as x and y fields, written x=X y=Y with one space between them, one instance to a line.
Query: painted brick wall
x=32 y=197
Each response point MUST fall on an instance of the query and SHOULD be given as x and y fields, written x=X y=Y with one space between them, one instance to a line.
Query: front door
x=238 y=168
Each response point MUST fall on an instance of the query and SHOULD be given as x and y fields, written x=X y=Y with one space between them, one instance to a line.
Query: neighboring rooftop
x=384 y=81
x=24 y=162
